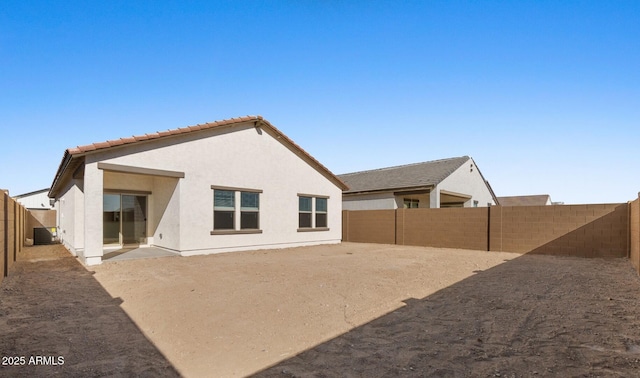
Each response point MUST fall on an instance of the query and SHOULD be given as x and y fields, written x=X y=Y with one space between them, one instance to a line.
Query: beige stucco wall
x=35 y=201
x=424 y=200
x=466 y=180
x=70 y=206
x=182 y=209
x=375 y=201
x=382 y=201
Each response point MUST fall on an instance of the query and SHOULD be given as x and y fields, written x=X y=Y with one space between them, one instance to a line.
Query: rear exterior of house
x=230 y=185
x=454 y=182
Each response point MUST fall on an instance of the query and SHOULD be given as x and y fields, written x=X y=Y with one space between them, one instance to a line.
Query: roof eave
x=398 y=190
x=66 y=158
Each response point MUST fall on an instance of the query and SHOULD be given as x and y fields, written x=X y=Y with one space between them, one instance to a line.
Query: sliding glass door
x=124 y=219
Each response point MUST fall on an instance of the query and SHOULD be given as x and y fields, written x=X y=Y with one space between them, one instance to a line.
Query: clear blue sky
x=544 y=95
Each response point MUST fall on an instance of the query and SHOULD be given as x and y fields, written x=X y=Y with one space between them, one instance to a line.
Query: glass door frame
x=119 y=216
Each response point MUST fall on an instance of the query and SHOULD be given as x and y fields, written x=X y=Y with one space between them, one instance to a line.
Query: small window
x=223 y=210
x=249 y=210
x=411 y=203
x=475 y=203
x=304 y=212
x=321 y=212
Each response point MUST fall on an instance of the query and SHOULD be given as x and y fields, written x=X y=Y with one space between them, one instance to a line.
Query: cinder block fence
x=12 y=231
x=634 y=234
x=601 y=230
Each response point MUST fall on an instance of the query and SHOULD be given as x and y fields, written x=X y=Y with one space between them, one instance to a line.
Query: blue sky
x=544 y=95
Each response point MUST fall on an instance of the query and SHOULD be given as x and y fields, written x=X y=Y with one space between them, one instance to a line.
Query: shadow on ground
x=52 y=307
x=533 y=316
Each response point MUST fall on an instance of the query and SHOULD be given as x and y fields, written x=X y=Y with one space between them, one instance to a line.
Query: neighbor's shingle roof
x=405 y=176
x=533 y=200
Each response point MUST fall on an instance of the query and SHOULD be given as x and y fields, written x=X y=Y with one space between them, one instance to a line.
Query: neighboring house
x=38 y=200
x=454 y=182
x=230 y=185
x=533 y=200
x=41 y=223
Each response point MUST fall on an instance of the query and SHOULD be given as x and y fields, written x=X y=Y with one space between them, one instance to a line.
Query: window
x=223 y=210
x=249 y=210
x=304 y=216
x=235 y=210
x=411 y=203
x=321 y=212
x=312 y=213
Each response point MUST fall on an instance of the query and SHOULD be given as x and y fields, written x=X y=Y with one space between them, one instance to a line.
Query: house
x=37 y=200
x=40 y=225
x=236 y=184
x=532 y=200
x=454 y=182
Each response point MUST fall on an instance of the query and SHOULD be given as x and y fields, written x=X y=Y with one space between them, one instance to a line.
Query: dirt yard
x=360 y=310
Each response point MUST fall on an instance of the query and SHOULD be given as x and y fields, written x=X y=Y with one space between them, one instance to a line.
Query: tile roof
x=405 y=176
x=73 y=156
x=532 y=200
x=160 y=134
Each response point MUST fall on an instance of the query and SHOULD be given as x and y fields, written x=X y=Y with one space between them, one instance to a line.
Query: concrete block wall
x=575 y=230
x=600 y=230
x=446 y=228
x=12 y=232
x=3 y=237
x=634 y=234
x=369 y=226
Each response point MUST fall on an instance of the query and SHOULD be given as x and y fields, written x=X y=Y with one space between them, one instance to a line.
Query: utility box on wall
x=43 y=224
x=42 y=236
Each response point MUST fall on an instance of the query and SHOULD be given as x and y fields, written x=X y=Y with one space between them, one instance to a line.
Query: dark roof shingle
x=532 y=200
x=405 y=176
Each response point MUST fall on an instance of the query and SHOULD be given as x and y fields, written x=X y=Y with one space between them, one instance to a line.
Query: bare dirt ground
x=56 y=320
x=360 y=310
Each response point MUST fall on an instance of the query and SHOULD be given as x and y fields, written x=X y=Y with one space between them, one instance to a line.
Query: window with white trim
x=235 y=210
x=321 y=212
x=249 y=210
x=305 y=212
x=224 y=209
x=312 y=213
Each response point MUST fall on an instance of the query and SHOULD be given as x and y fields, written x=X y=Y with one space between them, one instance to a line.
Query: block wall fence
x=12 y=232
x=634 y=234
x=600 y=230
